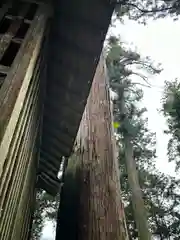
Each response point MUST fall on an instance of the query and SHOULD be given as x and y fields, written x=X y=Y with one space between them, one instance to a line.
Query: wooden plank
x=28 y=159
x=12 y=194
x=5 y=40
x=18 y=17
x=4 y=69
x=21 y=125
x=1 y=80
x=21 y=169
x=52 y=133
x=58 y=122
x=57 y=146
x=45 y=156
x=14 y=39
x=18 y=157
x=69 y=115
x=46 y=164
x=24 y=212
x=21 y=72
x=15 y=152
x=18 y=136
x=67 y=98
x=44 y=183
x=17 y=40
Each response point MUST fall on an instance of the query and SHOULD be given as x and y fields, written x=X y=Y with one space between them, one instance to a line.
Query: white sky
x=49 y=231
x=160 y=40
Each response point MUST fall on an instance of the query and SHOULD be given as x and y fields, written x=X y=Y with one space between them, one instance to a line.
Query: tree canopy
x=159 y=191
x=139 y=9
x=45 y=209
x=171 y=110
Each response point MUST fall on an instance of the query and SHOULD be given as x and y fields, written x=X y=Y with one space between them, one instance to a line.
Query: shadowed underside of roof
x=77 y=33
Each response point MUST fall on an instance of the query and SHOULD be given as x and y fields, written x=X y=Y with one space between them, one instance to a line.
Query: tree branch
x=141 y=84
x=144 y=10
x=141 y=76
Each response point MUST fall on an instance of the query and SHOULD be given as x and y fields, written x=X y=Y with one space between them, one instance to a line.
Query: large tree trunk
x=99 y=210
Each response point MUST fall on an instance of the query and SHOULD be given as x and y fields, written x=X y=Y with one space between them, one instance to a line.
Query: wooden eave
x=77 y=33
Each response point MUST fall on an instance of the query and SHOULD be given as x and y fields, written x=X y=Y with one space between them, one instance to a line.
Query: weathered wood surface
x=21 y=116
x=76 y=41
x=23 y=61
x=100 y=210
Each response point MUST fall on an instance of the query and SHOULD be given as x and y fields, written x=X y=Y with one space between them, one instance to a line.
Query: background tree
x=171 y=110
x=142 y=10
x=45 y=209
x=159 y=191
x=129 y=127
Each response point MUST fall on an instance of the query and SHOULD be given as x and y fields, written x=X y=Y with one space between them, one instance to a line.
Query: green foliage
x=171 y=110
x=120 y=63
x=141 y=10
x=45 y=209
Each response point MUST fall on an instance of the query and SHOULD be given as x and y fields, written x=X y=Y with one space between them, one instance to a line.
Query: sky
x=49 y=231
x=160 y=40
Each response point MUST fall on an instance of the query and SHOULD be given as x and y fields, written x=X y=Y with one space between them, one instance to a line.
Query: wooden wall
x=21 y=98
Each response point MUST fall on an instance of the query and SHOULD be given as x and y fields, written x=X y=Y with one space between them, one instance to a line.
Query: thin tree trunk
x=133 y=180
x=137 y=199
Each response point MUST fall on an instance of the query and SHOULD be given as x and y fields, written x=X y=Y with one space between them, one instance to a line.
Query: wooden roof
x=78 y=30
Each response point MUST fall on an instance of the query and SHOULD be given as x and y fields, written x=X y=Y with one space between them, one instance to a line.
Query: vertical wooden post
x=20 y=122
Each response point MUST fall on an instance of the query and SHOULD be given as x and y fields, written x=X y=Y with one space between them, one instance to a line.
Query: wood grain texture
x=20 y=142
x=100 y=209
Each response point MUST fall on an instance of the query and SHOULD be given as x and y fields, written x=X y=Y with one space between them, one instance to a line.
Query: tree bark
x=137 y=199
x=100 y=209
x=104 y=212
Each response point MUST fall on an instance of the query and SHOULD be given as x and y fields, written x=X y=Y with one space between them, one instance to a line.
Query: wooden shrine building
x=49 y=51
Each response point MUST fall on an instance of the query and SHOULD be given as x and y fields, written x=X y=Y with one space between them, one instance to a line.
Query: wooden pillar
x=21 y=55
